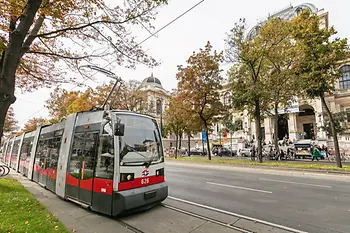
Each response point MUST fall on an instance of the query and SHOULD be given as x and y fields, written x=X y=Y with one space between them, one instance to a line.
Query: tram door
x=81 y=166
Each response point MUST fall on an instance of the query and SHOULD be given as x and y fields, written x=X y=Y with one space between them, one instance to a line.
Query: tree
x=200 y=83
x=34 y=48
x=34 y=123
x=232 y=127
x=319 y=68
x=174 y=118
x=192 y=124
x=60 y=99
x=10 y=122
x=340 y=120
x=282 y=58
x=247 y=76
x=128 y=96
x=83 y=103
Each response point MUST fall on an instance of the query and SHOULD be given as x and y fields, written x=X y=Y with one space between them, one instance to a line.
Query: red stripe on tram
x=104 y=186
x=140 y=182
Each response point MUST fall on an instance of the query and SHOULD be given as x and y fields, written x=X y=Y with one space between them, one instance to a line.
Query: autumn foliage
x=41 y=40
x=10 y=122
x=200 y=85
x=34 y=123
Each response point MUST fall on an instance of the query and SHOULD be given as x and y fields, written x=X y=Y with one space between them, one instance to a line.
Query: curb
x=281 y=168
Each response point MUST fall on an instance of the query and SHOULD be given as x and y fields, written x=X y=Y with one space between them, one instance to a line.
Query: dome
x=152 y=79
x=151 y=83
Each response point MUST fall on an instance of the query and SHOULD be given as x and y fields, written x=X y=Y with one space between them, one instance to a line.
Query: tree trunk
x=275 y=139
x=11 y=56
x=334 y=132
x=4 y=106
x=180 y=140
x=257 y=129
x=176 y=141
x=189 y=144
x=207 y=138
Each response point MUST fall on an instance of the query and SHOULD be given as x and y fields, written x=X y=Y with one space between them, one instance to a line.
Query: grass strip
x=314 y=166
x=21 y=212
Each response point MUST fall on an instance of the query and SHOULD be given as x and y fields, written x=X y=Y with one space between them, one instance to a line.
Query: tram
x=108 y=160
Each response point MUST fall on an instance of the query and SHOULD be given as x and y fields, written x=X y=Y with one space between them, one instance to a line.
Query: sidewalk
x=170 y=216
x=265 y=166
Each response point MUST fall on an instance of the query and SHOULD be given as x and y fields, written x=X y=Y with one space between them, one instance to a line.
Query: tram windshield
x=141 y=142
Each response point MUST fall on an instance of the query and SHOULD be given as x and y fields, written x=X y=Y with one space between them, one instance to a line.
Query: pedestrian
x=315 y=153
x=253 y=152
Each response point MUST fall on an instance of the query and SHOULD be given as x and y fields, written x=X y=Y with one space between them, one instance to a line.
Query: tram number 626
x=145 y=181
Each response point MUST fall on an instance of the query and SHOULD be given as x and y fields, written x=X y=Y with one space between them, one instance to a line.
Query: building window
x=227 y=99
x=159 y=106
x=344 y=81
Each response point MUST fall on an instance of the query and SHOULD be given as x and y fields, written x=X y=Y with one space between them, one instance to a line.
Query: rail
x=4 y=170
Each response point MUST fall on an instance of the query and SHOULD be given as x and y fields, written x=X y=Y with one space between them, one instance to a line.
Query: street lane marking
x=238 y=187
x=292 y=182
x=237 y=215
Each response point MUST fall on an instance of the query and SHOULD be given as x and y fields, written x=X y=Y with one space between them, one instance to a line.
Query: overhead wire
x=143 y=41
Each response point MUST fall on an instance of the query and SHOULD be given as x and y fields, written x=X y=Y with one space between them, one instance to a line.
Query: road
x=306 y=203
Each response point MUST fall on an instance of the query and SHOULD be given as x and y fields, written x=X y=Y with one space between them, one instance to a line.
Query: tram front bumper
x=139 y=198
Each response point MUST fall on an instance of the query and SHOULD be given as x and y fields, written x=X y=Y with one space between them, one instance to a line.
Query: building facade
x=302 y=120
x=305 y=118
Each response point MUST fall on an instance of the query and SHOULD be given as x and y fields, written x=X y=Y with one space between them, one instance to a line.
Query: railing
x=4 y=170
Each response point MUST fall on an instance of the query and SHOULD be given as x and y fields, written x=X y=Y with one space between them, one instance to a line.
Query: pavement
x=311 y=202
x=174 y=215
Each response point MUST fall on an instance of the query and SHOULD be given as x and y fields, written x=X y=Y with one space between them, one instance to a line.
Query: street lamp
x=160 y=112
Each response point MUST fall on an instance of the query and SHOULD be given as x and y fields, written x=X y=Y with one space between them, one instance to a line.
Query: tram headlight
x=160 y=172
x=125 y=177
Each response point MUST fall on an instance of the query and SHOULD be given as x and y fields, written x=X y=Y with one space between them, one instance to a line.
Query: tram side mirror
x=119 y=129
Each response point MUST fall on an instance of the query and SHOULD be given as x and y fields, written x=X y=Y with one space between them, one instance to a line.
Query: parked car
x=246 y=152
x=198 y=151
x=222 y=151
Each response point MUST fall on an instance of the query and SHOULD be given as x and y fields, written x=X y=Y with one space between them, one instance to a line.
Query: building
x=157 y=97
x=158 y=100
x=302 y=120
x=305 y=117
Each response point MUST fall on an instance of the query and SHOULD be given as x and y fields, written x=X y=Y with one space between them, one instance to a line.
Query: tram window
x=26 y=148
x=15 y=149
x=84 y=149
x=54 y=145
x=105 y=159
x=40 y=156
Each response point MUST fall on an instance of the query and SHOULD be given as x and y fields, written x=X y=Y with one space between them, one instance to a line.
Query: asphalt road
x=305 y=203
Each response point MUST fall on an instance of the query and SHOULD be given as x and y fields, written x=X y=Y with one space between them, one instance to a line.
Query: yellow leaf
x=26 y=222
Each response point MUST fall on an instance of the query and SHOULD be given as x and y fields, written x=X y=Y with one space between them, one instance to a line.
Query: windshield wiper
x=132 y=149
x=132 y=162
x=147 y=164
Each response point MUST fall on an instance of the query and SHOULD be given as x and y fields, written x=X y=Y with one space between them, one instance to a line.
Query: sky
x=209 y=21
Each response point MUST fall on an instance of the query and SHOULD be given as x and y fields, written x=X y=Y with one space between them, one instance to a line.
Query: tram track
x=4 y=170
x=227 y=225
x=130 y=227
x=189 y=213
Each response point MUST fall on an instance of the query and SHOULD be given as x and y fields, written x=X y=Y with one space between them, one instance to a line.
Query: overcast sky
x=209 y=21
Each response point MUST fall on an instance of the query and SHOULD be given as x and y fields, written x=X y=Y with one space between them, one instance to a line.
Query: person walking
x=315 y=153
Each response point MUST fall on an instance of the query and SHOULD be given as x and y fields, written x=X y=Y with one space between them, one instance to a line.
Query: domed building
x=152 y=83
x=157 y=96
x=158 y=101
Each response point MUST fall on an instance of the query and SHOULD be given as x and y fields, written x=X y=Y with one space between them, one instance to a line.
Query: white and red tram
x=110 y=161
